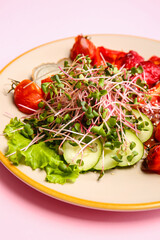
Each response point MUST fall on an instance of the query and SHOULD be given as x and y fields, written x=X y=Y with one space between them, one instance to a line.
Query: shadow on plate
x=33 y=197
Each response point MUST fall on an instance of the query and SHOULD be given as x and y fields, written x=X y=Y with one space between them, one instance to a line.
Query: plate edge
x=72 y=37
x=74 y=200
x=65 y=197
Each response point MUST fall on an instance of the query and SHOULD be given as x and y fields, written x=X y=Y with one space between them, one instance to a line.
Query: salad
x=98 y=111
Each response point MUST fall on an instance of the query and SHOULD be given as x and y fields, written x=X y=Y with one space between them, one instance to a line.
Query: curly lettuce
x=38 y=155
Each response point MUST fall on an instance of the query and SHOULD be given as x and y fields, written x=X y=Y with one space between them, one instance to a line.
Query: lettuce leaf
x=59 y=175
x=38 y=155
x=16 y=142
x=12 y=126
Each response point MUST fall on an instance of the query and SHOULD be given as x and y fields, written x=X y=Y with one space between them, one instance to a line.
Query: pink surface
x=24 y=212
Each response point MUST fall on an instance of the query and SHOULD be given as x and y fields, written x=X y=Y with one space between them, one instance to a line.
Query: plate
x=119 y=189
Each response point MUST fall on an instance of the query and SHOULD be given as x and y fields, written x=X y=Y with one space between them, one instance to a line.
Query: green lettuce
x=38 y=155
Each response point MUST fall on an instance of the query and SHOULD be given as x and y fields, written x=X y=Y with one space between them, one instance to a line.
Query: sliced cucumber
x=85 y=160
x=128 y=154
x=106 y=162
x=144 y=135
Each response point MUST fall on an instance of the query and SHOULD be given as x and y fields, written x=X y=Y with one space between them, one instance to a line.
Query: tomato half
x=154 y=92
x=28 y=94
x=157 y=132
x=84 y=46
x=129 y=60
x=152 y=73
x=152 y=162
x=155 y=60
x=46 y=80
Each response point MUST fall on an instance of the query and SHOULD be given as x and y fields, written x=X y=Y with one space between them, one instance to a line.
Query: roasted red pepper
x=107 y=55
x=129 y=60
x=155 y=60
x=154 y=92
x=152 y=162
x=157 y=132
x=151 y=73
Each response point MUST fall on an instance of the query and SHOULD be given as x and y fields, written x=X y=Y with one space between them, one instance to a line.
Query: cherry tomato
x=28 y=94
x=155 y=60
x=84 y=46
x=152 y=162
x=46 y=80
x=152 y=73
x=154 y=92
x=130 y=59
x=157 y=132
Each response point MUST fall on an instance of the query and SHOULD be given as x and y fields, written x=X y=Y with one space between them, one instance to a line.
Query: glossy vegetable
x=155 y=94
x=155 y=60
x=84 y=46
x=130 y=59
x=157 y=132
x=152 y=73
x=108 y=55
x=27 y=96
x=152 y=162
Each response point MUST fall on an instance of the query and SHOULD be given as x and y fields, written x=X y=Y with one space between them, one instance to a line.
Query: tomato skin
x=152 y=162
x=29 y=94
x=84 y=46
x=155 y=60
x=154 y=92
x=130 y=59
x=119 y=60
x=157 y=132
x=109 y=55
x=97 y=60
x=46 y=80
x=152 y=73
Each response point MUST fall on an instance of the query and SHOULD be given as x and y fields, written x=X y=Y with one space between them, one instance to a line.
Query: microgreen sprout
x=90 y=103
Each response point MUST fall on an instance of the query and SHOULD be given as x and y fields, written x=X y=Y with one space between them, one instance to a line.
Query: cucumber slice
x=144 y=135
x=89 y=157
x=127 y=152
x=124 y=154
x=108 y=161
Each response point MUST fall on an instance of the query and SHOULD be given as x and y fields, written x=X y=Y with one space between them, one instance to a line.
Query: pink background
x=25 y=213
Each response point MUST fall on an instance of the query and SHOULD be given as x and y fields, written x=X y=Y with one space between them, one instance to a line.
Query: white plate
x=119 y=189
